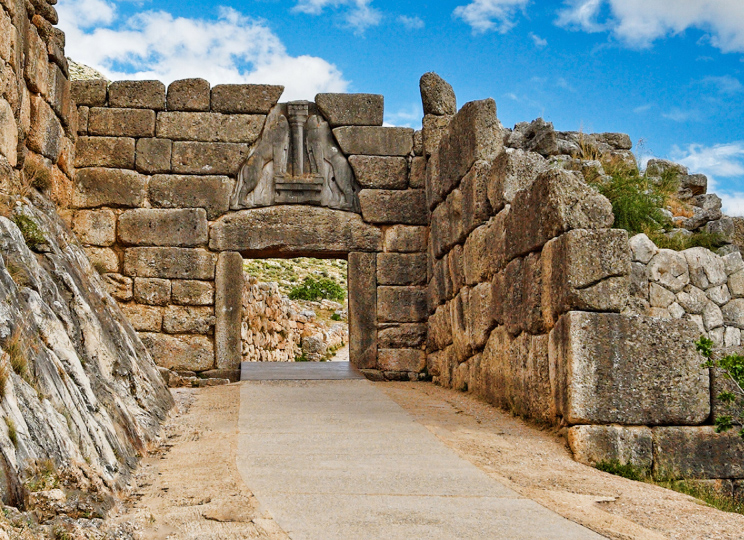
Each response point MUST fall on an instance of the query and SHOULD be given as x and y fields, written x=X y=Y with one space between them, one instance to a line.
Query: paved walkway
x=339 y=460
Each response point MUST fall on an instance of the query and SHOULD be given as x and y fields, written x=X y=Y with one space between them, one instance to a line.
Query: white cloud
x=725 y=84
x=409 y=117
x=412 y=23
x=642 y=108
x=359 y=14
x=638 y=23
x=155 y=45
x=681 y=115
x=539 y=42
x=486 y=15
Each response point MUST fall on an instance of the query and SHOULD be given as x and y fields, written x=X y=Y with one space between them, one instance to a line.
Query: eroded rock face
x=85 y=388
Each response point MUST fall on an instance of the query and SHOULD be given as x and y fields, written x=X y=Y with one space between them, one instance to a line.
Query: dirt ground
x=191 y=488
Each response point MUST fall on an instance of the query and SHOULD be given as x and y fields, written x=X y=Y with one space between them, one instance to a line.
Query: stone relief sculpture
x=296 y=161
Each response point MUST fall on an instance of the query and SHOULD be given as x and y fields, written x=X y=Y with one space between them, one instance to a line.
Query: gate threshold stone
x=298 y=371
x=340 y=460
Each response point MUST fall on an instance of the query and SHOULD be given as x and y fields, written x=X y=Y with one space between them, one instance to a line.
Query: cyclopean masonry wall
x=175 y=186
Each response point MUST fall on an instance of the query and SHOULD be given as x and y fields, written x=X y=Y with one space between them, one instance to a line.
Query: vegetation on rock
x=316 y=289
x=732 y=368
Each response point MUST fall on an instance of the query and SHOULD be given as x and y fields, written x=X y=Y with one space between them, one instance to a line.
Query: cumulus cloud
x=638 y=23
x=412 y=23
x=487 y=15
x=358 y=14
x=725 y=84
x=232 y=48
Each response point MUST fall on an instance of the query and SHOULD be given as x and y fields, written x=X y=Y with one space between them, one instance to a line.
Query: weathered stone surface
x=417 y=176
x=121 y=122
x=245 y=98
x=401 y=268
x=402 y=336
x=351 y=109
x=114 y=152
x=137 y=95
x=46 y=131
x=91 y=93
x=153 y=155
x=558 y=201
x=660 y=297
x=108 y=187
x=698 y=452
x=36 y=61
x=118 y=286
x=720 y=294
x=736 y=284
x=705 y=267
x=434 y=128
x=439 y=329
x=188 y=95
x=83 y=120
x=401 y=304
x=380 y=172
x=192 y=293
x=401 y=359
x=154 y=227
x=474 y=188
x=8 y=134
x=610 y=368
x=103 y=259
x=437 y=95
x=474 y=134
x=405 y=238
x=169 y=262
x=180 y=353
x=229 y=284
x=642 y=248
x=723 y=228
x=669 y=268
x=481 y=314
x=297 y=230
x=374 y=141
x=184 y=191
x=627 y=445
x=733 y=313
x=362 y=272
x=484 y=250
x=519 y=295
x=393 y=206
x=144 y=318
x=512 y=171
x=152 y=291
x=95 y=227
x=733 y=262
x=208 y=158
x=209 y=127
x=190 y=320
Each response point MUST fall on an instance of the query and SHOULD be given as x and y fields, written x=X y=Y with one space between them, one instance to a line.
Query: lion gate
x=173 y=188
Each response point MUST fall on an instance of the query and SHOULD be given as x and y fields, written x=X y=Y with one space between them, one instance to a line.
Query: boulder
x=351 y=109
x=437 y=96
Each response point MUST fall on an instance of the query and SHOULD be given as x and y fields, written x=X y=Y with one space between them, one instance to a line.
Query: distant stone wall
x=156 y=169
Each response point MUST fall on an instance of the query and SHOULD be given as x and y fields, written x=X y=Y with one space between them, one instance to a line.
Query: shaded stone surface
x=121 y=122
x=402 y=336
x=401 y=304
x=108 y=187
x=180 y=352
x=296 y=230
x=401 y=268
x=192 y=292
x=189 y=320
x=394 y=206
x=698 y=452
x=115 y=152
x=188 y=95
x=627 y=445
x=209 y=127
x=406 y=238
x=375 y=141
x=207 y=157
x=169 y=262
x=245 y=98
x=228 y=310
x=153 y=291
x=351 y=109
x=380 y=172
x=401 y=359
x=362 y=277
x=153 y=155
x=186 y=191
x=153 y=227
x=137 y=95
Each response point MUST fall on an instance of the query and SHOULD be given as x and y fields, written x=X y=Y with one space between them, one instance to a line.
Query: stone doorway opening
x=294 y=310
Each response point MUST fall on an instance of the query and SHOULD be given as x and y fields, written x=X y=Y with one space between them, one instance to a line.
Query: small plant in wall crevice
x=732 y=368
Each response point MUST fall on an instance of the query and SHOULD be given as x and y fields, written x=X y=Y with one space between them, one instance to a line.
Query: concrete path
x=339 y=460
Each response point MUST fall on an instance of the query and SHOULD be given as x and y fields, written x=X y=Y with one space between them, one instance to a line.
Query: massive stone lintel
x=296 y=161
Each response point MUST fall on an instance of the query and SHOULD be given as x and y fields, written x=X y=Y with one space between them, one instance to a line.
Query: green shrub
x=33 y=236
x=680 y=242
x=317 y=289
x=732 y=367
x=335 y=317
x=626 y=470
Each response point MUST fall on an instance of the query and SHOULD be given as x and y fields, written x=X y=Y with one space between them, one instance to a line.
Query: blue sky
x=669 y=73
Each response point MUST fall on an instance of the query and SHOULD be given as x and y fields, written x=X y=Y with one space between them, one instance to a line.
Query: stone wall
x=156 y=169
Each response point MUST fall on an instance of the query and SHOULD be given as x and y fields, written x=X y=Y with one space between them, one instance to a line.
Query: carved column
x=298 y=113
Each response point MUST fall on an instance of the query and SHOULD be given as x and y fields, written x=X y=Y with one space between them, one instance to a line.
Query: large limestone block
x=169 y=262
x=557 y=201
x=118 y=286
x=108 y=187
x=461 y=325
x=184 y=191
x=642 y=248
x=473 y=134
x=706 y=268
x=511 y=172
x=155 y=227
x=91 y=93
x=401 y=304
x=153 y=155
x=192 y=292
x=36 y=61
x=407 y=238
x=733 y=313
x=189 y=320
x=188 y=95
x=698 y=452
x=374 y=141
x=384 y=206
x=103 y=259
x=296 y=230
x=351 y=109
x=143 y=318
x=180 y=352
x=518 y=295
x=121 y=122
x=401 y=360
x=208 y=157
x=439 y=329
x=245 y=98
x=475 y=208
x=433 y=130
x=209 y=127
x=8 y=133
x=437 y=95
x=669 y=268
x=114 y=152
x=481 y=314
x=362 y=272
x=59 y=96
x=137 y=95
x=401 y=268
x=380 y=172
x=152 y=291
x=595 y=444
x=46 y=132
x=402 y=336
x=95 y=227
x=417 y=175
x=609 y=368
x=484 y=250
x=228 y=309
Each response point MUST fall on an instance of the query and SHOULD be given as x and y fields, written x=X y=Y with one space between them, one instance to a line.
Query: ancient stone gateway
x=172 y=191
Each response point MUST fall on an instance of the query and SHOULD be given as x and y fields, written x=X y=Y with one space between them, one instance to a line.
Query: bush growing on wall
x=732 y=368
